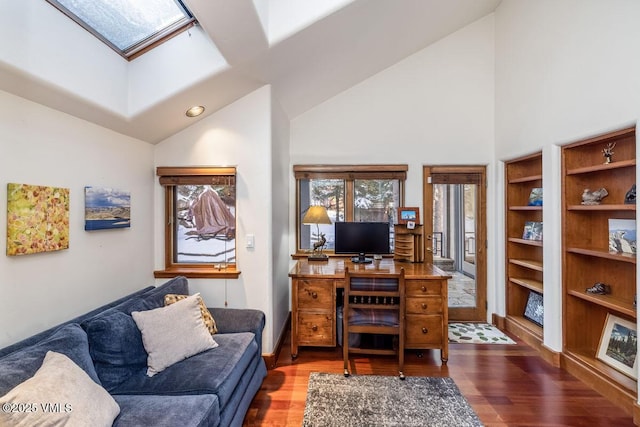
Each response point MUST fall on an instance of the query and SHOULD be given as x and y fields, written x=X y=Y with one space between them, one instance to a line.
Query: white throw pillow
x=173 y=333
x=59 y=394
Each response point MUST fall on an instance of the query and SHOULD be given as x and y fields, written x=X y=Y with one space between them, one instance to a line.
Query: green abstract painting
x=37 y=219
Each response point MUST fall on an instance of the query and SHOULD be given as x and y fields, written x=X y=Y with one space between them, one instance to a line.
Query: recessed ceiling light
x=195 y=111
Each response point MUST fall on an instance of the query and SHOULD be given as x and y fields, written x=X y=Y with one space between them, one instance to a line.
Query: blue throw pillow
x=115 y=344
x=22 y=364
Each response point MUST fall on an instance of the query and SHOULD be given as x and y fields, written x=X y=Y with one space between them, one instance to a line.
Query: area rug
x=371 y=400
x=477 y=333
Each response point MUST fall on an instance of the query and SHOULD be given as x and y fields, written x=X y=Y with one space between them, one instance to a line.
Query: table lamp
x=317 y=215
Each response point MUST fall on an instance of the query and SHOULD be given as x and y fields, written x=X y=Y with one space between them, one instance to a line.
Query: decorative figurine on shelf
x=607 y=152
x=593 y=197
x=630 y=197
x=599 y=289
x=319 y=245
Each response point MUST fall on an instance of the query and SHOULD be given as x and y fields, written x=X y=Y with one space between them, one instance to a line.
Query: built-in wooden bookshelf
x=587 y=258
x=523 y=264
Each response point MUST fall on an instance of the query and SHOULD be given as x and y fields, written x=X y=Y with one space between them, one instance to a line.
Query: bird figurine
x=593 y=197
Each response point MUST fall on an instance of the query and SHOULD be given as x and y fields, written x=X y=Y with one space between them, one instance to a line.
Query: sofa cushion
x=155 y=297
x=168 y=411
x=209 y=321
x=22 y=364
x=216 y=371
x=115 y=345
x=152 y=298
x=115 y=341
x=173 y=333
x=59 y=381
x=232 y=320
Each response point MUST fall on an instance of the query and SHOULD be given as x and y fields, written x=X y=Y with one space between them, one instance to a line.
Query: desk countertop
x=335 y=267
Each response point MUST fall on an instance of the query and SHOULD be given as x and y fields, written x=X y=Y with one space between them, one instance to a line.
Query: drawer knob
x=314 y=295
x=424 y=306
x=314 y=328
x=423 y=289
x=425 y=331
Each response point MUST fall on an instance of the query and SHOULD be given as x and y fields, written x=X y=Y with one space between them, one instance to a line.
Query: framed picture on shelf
x=618 y=346
x=534 y=310
x=622 y=235
x=535 y=197
x=532 y=230
x=406 y=215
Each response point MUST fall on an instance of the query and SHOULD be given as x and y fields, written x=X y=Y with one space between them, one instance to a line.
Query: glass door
x=466 y=211
x=454 y=201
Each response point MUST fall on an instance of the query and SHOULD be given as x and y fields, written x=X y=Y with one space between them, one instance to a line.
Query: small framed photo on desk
x=406 y=215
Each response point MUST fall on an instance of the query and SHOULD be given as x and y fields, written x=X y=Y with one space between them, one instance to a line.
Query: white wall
x=37 y=38
x=281 y=205
x=238 y=135
x=41 y=146
x=282 y=18
x=565 y=69
x=434 y=107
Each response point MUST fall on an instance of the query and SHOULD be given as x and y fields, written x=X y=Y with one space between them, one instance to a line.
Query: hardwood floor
x=507 y=385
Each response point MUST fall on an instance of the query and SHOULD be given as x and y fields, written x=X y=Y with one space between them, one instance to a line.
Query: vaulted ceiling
x=308 y=51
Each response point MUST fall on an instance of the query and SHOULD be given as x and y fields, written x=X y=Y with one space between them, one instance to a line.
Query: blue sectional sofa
x=212 y=388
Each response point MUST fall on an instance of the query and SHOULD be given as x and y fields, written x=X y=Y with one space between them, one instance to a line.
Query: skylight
x=130 y=27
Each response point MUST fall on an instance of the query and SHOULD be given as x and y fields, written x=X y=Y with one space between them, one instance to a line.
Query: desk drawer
x=423 y=330
x=425 y=305
x=316 y=329
x=315 y=294
x=423 y=287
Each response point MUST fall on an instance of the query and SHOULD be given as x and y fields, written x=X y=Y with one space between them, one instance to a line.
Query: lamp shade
x=316 y=215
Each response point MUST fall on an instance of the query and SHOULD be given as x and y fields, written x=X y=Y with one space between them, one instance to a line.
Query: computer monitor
x=362 y=238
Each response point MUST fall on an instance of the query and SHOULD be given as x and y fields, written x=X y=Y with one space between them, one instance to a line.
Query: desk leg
x=294 y=319
x=294 y=341
x=444 y=351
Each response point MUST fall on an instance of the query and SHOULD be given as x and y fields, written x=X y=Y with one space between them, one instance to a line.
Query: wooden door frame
x=479 y=313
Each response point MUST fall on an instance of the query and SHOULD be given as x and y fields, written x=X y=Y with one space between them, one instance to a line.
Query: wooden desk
x=314 y=288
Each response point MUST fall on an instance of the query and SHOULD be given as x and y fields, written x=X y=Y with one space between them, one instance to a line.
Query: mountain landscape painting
x=106 y=208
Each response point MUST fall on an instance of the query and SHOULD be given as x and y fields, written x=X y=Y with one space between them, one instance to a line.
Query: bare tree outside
x=205 y=224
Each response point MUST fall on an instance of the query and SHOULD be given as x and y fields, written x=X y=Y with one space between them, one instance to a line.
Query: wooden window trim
x=169 y=178
x=350 y=172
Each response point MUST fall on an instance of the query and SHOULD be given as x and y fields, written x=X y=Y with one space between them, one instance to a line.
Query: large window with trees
x=362 y=193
